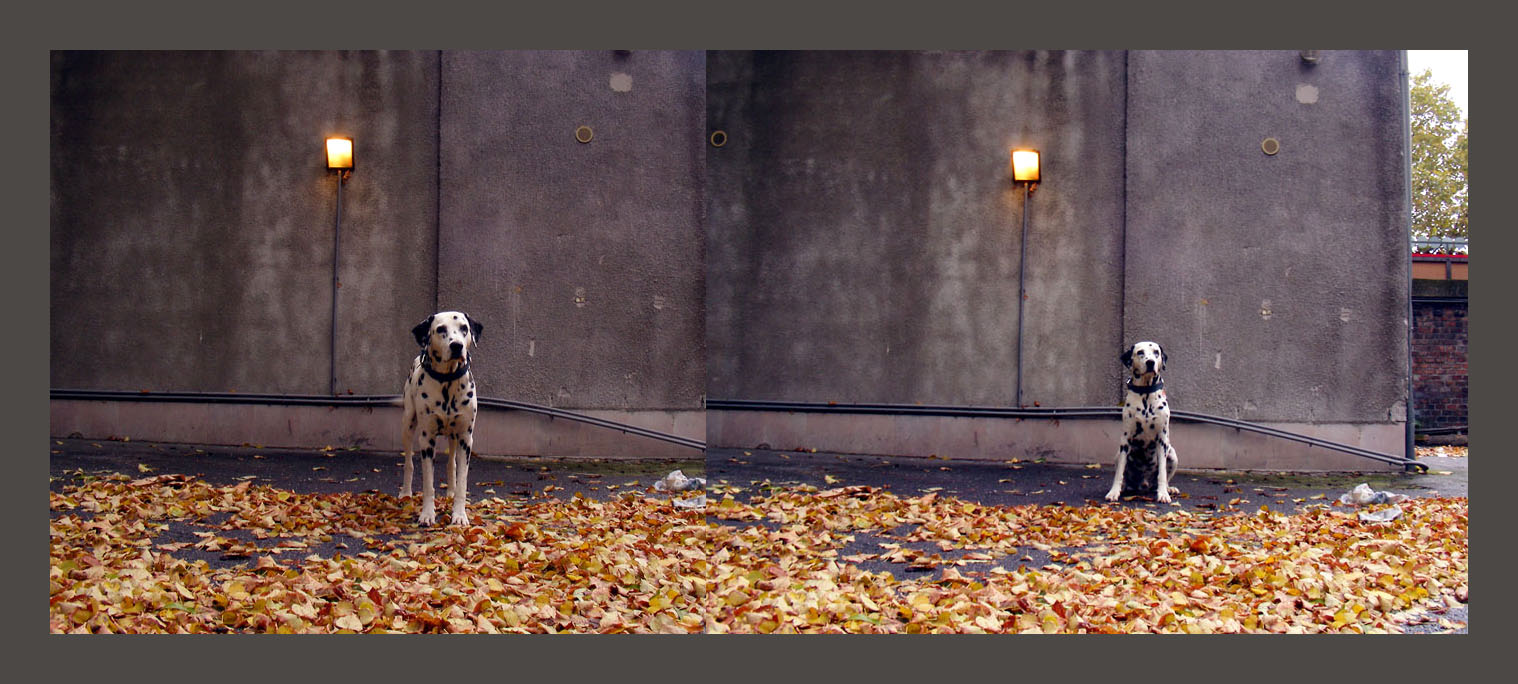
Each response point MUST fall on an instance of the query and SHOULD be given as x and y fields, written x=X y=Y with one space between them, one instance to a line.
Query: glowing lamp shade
x=1025 y=166
x=340 y=154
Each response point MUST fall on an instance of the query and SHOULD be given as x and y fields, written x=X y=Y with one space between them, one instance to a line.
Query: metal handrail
x=1046 y=413
x=1461 y=246
x=359 y=401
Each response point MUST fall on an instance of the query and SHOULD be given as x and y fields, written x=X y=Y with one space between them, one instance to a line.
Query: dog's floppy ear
x=1127 y=357
x=1162 y=355
x=474 y=327
x=420 y=331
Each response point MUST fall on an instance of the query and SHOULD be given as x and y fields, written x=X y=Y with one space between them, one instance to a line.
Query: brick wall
x=1439 y=363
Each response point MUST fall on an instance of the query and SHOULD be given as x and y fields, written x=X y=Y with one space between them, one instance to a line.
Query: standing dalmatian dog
x=440 y=402
x=1146 y=427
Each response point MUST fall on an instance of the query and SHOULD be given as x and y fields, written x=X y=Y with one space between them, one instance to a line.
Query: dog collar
x=445 y=377
x=1153 y=387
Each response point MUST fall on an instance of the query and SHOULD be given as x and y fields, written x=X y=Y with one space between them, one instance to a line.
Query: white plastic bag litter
x=1383 y=515
x=1363 y=495
x=695 y=503
x=676 y=481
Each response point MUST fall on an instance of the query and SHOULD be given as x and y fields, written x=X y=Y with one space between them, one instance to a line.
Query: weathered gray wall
x=864 y=229
x=192 y=220
x=583 y=261
x=1278 y=284
x=860 y=231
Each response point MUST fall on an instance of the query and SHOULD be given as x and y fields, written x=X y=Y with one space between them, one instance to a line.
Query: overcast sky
x=1450 y=67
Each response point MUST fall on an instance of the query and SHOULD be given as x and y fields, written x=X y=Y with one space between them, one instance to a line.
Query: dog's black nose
x=457 y=348
x=1149 y=365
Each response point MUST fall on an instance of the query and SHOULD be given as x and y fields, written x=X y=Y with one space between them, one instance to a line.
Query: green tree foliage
x=1440 y=169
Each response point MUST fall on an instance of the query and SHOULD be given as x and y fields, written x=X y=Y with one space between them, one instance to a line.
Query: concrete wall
x=865 y=233
x=855 y=239
x=497 y=433
x=192 y=236
x=583 y=261
x=192 y=221
x=192 y=218
x=1074 y=440
x=1277 y=283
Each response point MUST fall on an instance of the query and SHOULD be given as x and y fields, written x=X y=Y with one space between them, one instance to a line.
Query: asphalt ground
x=750 y=473
x=742 y=473
x=338 y=470
x=1019 y=482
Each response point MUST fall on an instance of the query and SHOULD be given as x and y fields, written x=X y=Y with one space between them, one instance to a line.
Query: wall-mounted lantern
x=340 y=156
x=1025 y=172
x=339 y=159
x=1025 y=167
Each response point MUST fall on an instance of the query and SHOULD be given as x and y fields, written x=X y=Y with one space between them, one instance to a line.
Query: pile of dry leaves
x=1443 y=451
x=135 y=556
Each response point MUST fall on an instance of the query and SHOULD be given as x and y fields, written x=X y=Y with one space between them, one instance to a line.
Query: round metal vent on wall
x=719 y=138
x=584 y=134
x=1270 y=146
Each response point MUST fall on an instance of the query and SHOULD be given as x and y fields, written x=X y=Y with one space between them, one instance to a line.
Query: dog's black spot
x=427 y=453
x=420 y=331
x=424 y=395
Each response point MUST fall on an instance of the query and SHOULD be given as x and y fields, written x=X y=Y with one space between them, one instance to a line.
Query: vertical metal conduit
x=1407 y=164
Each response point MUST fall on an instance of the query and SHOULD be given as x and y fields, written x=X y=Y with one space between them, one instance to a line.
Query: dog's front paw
x=1163 y=495
x=427 y=517
x=460 y=519
x=1114 y=494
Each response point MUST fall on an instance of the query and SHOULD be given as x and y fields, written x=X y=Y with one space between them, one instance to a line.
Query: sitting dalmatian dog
x=440 y=402
x=1146 y=428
